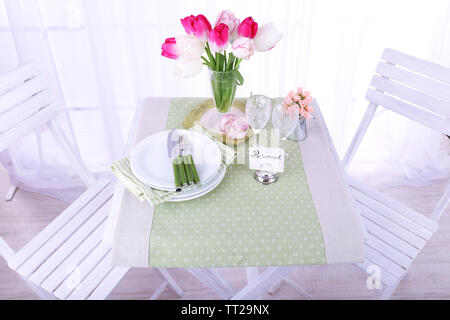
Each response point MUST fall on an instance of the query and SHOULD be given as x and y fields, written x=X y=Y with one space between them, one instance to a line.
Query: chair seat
x=68 y=258
x=395 y=233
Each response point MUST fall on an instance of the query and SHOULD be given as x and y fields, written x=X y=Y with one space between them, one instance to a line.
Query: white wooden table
x=257 y=284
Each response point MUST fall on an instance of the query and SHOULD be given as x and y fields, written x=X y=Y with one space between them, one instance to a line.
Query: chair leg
x=389 y=291
x=10 y=193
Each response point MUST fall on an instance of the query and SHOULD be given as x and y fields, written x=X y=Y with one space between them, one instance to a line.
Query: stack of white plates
x=151 y=164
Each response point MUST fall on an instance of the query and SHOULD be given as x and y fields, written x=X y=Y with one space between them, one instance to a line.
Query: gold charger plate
x=196 y=114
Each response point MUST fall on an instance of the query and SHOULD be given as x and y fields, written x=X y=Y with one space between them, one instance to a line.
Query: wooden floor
x=428 y=278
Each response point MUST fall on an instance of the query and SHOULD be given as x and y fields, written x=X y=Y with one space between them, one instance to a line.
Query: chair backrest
x=415 y=88
x=25 y=103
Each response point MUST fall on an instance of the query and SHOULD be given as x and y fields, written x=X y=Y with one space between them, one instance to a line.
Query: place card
x=266 y=159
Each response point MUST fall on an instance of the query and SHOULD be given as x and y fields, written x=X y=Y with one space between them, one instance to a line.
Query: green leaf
x=210 y=56
x=238 y=76
x=207 y=63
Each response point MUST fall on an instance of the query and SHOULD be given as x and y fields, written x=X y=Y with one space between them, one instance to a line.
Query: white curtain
x=102 y=56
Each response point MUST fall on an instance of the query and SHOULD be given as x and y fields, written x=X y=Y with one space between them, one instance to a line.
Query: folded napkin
x=122 y=169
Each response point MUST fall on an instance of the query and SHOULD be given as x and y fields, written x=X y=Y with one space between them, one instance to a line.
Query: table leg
x=256 y=288
x=169 y=282
x=211 y=278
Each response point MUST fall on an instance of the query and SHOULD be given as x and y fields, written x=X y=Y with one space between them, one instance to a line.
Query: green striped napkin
x=122 y=169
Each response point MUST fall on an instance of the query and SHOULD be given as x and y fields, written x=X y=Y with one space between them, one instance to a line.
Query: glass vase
x=299 y=133
x=223 y=86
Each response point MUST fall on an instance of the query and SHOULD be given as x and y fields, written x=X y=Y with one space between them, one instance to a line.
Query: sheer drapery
x=102 y=56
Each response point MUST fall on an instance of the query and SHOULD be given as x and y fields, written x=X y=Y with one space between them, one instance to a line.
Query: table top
x=330 y=192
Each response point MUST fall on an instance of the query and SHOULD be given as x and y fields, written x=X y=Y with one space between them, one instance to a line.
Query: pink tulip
x=199 y=26
x=248 y=28
x=233 y=126
x=243 y=48
x=297 y=98
x=231 y=21
x=218 y=38
x=182 y=46
x=169 y=49
x=300 y=90
x=226 y=120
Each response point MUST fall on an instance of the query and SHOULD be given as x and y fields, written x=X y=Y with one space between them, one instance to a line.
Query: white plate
x=201 y=190
x=151 y=164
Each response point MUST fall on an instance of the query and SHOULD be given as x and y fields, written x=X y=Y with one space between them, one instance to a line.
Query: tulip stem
x=212 y=61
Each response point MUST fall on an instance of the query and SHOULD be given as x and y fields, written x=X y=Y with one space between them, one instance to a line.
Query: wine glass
x=284 y=121
x=257 y=110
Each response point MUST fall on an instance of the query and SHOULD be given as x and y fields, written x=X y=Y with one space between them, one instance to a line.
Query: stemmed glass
x=284 y=121
x=257 y=110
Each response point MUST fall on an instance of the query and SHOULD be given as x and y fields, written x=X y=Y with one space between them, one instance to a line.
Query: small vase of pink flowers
x=304 y=101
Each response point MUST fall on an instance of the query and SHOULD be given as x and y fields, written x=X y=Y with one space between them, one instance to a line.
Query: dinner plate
x=200 y=190
x=151 y=164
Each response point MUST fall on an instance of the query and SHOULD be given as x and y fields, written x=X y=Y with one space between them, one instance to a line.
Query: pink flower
x=291 y=94
x=308 y=99
x=231 y=21
x=243 y=48
x=248 y=28
x=199 y=26
x=226 y=120
x=288 y=100
x=233 y=126
x=305 y=114
x=297 y=98
x=182 y=46
x=292 y=111
x=169 y=49
x=306 y=93
x=218 y=38
x=300 y=90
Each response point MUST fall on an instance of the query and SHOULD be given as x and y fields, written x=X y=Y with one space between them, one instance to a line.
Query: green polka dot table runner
x=243 y=223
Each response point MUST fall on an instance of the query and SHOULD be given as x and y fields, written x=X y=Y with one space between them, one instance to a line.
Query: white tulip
x=188 y=66
x=189 y=46
x=267 y=37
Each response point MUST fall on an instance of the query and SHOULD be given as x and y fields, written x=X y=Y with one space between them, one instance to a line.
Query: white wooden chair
x=420 y=91
x=67 y=259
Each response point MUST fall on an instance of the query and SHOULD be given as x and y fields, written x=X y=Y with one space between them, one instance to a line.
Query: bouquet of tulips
x=206 y=45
